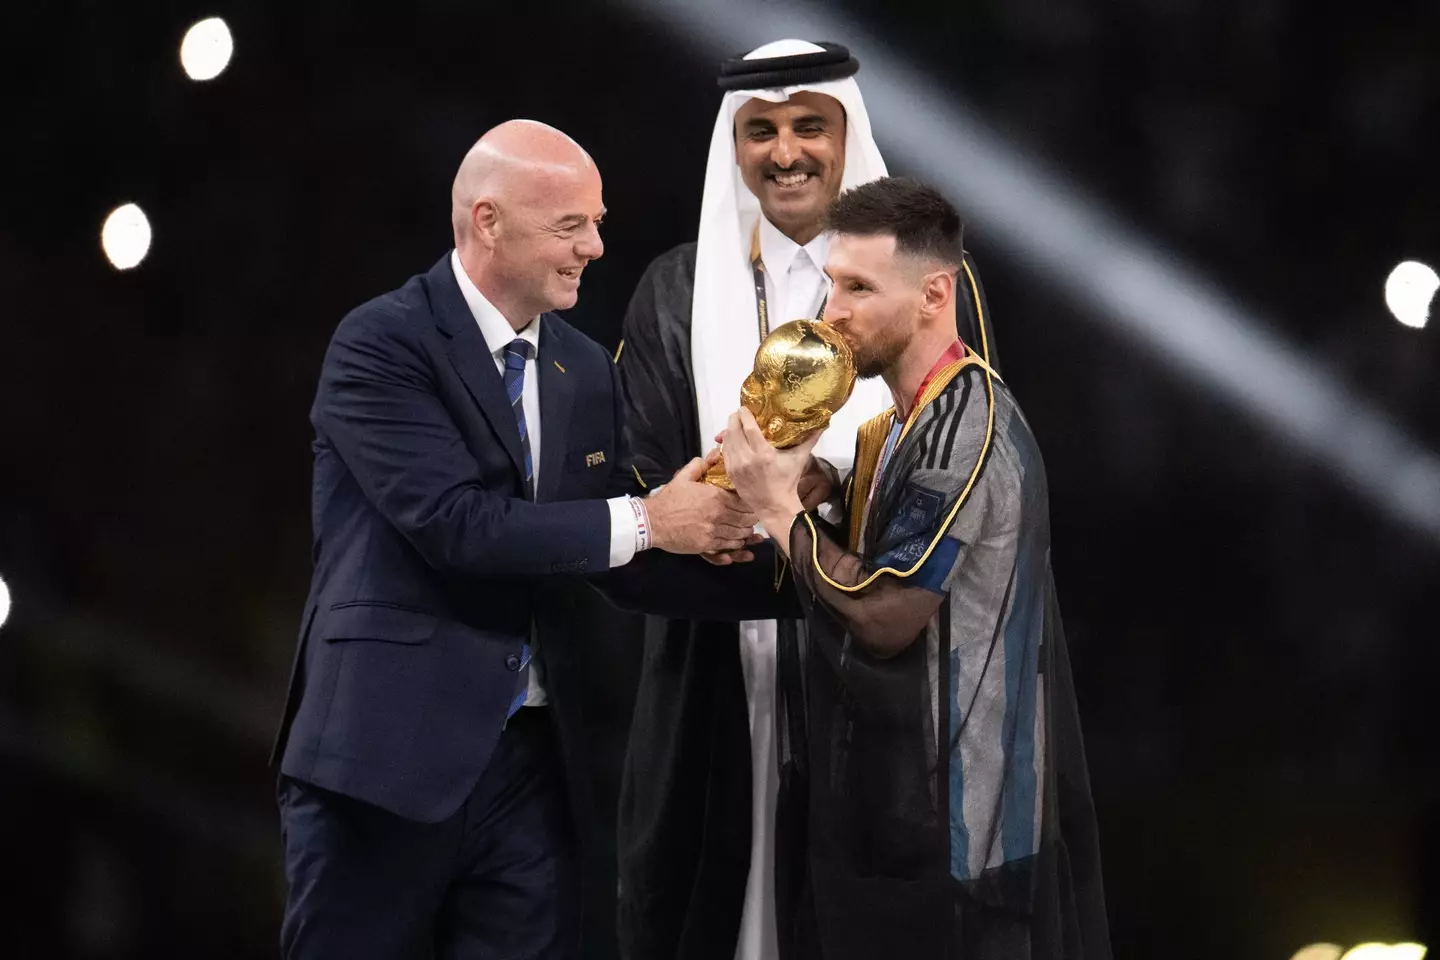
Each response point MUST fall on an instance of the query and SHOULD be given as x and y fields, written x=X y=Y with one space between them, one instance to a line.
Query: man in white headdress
x=704 y=766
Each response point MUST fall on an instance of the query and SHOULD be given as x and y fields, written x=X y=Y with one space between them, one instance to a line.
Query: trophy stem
x=717 y=476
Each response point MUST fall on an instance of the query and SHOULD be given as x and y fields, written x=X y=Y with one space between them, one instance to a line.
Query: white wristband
x=642 y=524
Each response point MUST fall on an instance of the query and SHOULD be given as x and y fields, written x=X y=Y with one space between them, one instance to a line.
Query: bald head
x=516 y=161
x=526 y=209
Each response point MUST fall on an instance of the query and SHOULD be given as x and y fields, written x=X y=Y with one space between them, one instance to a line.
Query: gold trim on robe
x=932 y=390
x=870 y=443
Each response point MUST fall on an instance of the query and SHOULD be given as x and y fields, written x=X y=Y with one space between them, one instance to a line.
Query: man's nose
x=787 y=149
x=590 y=246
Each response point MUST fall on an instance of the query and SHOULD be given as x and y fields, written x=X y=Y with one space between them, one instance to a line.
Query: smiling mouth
x=570 y=273
x=791 y=179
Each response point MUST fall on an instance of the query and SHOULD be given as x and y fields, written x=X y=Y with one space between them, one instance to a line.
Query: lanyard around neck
x=762 y=303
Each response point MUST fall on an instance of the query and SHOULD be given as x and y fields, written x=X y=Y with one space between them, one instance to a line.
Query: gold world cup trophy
x=804 y=372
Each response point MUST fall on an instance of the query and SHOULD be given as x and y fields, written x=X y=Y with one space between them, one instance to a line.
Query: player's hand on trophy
x=766 y=478
x=819 y=482
x=689 y=516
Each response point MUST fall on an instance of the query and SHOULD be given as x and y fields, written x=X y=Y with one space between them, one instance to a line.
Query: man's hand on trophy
x=723 y=558
x=767 y=479
x=689 y=516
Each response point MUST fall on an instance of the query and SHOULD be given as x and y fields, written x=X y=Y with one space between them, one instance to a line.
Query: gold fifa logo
x=594 y=459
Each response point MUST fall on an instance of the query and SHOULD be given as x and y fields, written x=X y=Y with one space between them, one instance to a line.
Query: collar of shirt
x=779 y=251
x=956 y=351
x=493 y=326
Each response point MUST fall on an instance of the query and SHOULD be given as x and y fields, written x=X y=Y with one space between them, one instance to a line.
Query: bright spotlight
x=1408 y=951
x=1408 y=292
x=126 y=236
x=1319 y=951
x=205 y=52
x=1386 y=951
x=4 y=602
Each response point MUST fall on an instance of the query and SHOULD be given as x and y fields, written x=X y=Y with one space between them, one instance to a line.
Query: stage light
x=1364 y=951
x=1319 y=951
x=1386 y=951
x=1408 y=292
x=4 y=602
x=205 y=52
x=126 y=236
x=1408 y=951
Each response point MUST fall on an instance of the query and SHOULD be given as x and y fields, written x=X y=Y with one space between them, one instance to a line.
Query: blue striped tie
x=517 y=351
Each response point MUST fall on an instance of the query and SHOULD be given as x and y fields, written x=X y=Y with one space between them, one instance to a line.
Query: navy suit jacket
x=432 y=563
x=429 y=557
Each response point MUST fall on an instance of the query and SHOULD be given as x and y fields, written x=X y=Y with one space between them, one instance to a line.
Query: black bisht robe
x=935 y=798
x=684 y=835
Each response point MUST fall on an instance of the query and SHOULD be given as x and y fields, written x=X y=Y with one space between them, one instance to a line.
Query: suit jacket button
x=512 y=662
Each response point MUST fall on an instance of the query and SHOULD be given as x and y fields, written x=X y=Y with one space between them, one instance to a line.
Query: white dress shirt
x=498 y=334
x=795 y=283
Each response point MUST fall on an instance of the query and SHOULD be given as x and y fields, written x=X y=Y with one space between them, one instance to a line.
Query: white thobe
x=795 y=286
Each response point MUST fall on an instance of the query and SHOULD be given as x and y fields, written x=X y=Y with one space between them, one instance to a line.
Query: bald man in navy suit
x=469 y=454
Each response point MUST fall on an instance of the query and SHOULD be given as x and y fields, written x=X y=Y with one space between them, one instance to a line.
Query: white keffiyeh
x=724 y=334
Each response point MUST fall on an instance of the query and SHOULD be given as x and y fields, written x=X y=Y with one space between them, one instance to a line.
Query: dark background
x=1253 y=639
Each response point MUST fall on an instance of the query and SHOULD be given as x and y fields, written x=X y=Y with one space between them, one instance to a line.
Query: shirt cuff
x=626 y=536
x=832 y=511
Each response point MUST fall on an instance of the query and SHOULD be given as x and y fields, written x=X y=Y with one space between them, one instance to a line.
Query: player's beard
x=881 y=352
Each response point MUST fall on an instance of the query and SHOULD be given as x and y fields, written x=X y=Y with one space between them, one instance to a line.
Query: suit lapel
x=557 y=397
x=472 y=360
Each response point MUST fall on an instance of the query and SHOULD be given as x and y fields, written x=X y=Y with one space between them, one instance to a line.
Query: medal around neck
x=804 y=372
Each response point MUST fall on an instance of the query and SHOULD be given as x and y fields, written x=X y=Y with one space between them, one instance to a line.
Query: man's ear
x=485 y=221
x=938 y=289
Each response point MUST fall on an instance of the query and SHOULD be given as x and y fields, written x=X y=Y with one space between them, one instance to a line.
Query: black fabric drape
x=683 y=836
